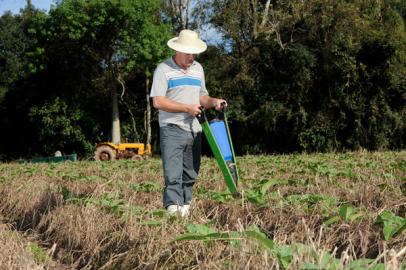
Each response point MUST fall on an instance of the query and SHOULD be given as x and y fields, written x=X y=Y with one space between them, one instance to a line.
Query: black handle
x=202 y=116
x=223 y=106
x=222 y=112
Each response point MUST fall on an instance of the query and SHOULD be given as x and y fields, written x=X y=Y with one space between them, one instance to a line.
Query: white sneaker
x=174 y=209
x=185 y=210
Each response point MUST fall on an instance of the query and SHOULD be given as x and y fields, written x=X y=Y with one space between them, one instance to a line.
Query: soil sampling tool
x=218 y=136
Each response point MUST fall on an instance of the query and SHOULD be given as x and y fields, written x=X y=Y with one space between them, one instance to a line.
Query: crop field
x=298 y=211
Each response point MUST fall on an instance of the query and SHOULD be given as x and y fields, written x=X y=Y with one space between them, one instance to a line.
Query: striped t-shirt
x=183 y=86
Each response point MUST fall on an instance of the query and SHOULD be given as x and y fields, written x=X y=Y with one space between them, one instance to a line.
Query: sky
x=15 y=5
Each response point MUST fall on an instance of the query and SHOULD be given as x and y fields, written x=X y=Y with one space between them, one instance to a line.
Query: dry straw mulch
x=92 y=215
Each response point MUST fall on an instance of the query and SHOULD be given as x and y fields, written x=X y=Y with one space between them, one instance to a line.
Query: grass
x=299 y=211
x=40 y=255
x=15 y=252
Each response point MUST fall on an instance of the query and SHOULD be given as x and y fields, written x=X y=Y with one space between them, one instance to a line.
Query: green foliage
x=58 y=127
x=314 y=76
x=112 y=204
x=346 y=212
x=220 y=230
x=204 y=233
x=299 y=76
x=309 y=201
x=222 y=196
x=258 y=194
x=284 y=253
x=266 y=184
x=40 y=255
x=365 y=264
x=147 y=186
x=75 y=55
x=391 y=224
x=199 y=229
x=12 y=44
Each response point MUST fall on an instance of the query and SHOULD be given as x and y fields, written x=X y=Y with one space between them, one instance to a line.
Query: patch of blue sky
x=15 y=6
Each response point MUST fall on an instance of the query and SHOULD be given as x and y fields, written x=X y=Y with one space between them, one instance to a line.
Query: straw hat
x=187 y=42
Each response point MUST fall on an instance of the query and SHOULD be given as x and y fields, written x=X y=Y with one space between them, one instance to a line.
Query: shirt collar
x=181 y=69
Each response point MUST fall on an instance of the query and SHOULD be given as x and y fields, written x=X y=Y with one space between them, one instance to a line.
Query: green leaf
x=256 y=234
x=348 y=212
x=392 y=224
x=270 y=183
x=136 y=209
x=379 y=266
x=199 y=229
x=66 y=193
x=328 y=262
x=151 y=223
x=254 y=196
x=309 y=266
x=285 y=255
x=207 y=237
x=235 y=241
x=332 y=220
x=158 y=212
x=362 y=264
x=201 y=232
x=221 y=196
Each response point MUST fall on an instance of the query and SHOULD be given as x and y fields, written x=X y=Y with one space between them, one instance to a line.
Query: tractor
x=110 y=151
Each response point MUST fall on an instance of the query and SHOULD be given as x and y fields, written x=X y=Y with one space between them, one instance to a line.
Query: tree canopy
x=298 y=75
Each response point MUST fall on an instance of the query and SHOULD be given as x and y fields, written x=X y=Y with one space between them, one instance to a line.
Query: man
x=178 y=92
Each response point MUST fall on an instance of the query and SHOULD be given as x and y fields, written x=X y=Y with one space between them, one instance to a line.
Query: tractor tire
x=104 y=153
x=137 y=158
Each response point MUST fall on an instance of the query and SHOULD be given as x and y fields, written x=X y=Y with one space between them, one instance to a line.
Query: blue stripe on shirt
x=185 y=81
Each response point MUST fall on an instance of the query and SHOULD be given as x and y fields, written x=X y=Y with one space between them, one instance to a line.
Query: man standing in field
x=178 y=92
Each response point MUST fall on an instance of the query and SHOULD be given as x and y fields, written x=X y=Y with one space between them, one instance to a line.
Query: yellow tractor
x=110 y=151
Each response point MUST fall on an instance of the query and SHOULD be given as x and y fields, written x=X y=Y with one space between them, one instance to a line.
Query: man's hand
x=212 y=103
x=194 y=109
x=219 y=104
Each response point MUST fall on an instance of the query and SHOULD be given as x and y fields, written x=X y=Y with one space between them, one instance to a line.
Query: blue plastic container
x=220 y=134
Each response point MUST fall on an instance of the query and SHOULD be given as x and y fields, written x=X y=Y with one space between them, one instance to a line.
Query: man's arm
x=209 y=102
x=165 y=104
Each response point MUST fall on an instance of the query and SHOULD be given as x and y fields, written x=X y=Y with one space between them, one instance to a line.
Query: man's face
x=184 y=60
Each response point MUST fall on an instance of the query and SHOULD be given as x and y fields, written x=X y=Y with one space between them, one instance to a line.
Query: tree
x=298 y=73
x=304 y=75
x=121 y=36
x=145 y=46
x=83 y=50
x=13 y=43
x=178 y=14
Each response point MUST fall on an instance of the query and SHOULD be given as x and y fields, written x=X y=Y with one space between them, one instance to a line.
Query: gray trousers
x=180 y=153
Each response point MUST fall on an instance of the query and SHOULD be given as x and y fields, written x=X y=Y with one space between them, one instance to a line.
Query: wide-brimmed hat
x=187 y=42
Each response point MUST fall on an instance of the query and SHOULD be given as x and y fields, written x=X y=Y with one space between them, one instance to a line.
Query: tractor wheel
x=137 y=158
x=104 y=153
